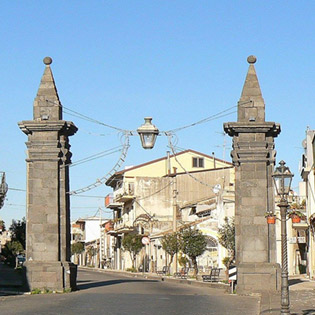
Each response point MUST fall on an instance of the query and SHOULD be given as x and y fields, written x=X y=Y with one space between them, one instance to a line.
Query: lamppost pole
x=285 y=302
x=282 y=178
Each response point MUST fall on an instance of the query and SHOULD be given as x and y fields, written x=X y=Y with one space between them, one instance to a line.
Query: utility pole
x=174 y=190
x=175 y=214
x=101 y=238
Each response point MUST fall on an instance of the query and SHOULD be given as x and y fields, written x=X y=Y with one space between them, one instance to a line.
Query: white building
x=308 y=176
x=91 y=232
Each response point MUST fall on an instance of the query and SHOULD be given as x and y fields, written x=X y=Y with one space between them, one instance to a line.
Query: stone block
x=247 y=167
x=50 y=256
x=256 y=277
x=39 y=247
x=52 y=218
x=37 y=256
x=36 y=228
x=255 y=256
x=52 y=229
x=260 y=220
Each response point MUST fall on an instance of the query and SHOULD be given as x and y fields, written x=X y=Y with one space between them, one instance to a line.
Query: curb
x=12 y=293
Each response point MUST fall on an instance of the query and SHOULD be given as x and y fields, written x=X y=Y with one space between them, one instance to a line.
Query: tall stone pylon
x=48 y=202
x=253 y=156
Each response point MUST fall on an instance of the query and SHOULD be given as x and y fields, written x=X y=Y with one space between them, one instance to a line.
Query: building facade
x=164 y=195
x=92 y=233
x=308 y=176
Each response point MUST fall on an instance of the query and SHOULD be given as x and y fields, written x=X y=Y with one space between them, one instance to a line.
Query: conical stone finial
x=251 y=106
x=46 y=104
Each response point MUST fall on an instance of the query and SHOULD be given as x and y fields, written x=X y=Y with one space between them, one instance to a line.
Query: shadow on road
x=90 y=284
x=294 y=281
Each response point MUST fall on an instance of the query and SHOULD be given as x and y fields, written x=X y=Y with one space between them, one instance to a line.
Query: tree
x=76 y=249
x=17 y=244
x=2 y=226
x=132 y=243
x=227 y=239
x=171 y=244
x=11 y=250
x=17 y=229
x=193 y=244
x=90 y=251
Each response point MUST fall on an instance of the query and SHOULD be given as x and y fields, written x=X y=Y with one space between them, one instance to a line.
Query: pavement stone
x=302 y=298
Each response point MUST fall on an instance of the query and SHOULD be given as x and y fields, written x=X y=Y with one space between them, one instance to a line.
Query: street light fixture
x=148 y=133
x=282 y=179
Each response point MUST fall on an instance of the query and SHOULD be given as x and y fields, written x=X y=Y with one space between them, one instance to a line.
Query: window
x=198 y=162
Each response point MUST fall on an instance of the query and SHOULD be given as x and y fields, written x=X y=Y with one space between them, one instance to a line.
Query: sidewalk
x=302 y=298
x=11 y=280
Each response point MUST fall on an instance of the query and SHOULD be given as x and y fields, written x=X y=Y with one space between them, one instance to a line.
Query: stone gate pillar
x=48 y=203
x=253 y=155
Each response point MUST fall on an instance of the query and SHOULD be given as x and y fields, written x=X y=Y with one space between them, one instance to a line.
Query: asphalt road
x=106 y=293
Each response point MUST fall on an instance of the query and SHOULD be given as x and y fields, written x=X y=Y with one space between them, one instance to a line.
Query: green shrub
x=36 y=291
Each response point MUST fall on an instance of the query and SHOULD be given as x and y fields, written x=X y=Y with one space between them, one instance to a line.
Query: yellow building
x=164 y=194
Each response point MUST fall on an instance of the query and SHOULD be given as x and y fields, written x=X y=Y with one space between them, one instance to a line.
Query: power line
x=87 y=196
x=16 y=189
x=221 y=114
x=103 y=179
x=96 y=156
x=84 y=117
x=210 y=118
x=156 y=192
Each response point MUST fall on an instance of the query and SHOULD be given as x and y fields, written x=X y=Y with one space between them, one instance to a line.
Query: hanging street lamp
x=3 y=188
x=148 y=133
x=282 y=179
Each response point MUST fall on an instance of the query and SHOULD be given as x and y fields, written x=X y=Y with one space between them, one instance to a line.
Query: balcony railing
x=124 y=193
x=111 y=203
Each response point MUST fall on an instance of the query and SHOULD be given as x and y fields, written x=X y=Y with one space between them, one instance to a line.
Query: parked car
x=20 y=260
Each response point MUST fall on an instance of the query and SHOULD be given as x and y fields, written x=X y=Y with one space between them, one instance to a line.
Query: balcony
x=125 y=229
x=124 y=193
x=121 y=227
x=111 y=204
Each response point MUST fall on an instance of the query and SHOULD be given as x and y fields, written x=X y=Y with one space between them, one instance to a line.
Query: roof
x=82 y=220
x=122 y=172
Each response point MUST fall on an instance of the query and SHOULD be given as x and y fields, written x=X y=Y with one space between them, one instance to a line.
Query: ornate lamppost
x=148 y=133
x=282 y=178
x=3 y=188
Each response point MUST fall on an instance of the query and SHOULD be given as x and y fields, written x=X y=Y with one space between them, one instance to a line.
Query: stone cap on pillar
x=46 y=104
x=251 y=106
x=268 y=128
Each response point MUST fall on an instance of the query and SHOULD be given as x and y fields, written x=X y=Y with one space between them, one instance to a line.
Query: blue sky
x=177 y=61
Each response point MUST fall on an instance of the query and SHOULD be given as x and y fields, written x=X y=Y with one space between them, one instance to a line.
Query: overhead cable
x=116 y=167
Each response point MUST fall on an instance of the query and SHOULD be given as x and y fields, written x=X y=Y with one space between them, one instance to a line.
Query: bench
x=213 y=276
x=182 y=273
x=164 y=271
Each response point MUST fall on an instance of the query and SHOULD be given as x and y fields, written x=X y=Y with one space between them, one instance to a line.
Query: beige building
x=163 y=195
x=308 y=176
x=296 y=236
